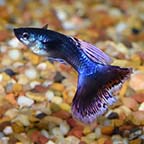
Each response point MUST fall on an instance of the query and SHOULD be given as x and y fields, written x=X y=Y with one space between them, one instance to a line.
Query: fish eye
x=25 y=35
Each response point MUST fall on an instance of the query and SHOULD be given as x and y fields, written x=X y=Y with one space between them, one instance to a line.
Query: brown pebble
x=76 y=131
x=107 y=130
x=37 y=137
x=62 y=114
x=136 y=141
x=139 y=97
x=73 y=123
x=39 y=88
x=108 y=141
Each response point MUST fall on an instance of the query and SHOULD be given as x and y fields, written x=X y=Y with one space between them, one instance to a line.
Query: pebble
x=15 y=54
x=107 y=130
x=141 y=107
x=113 y=115
x=56 y=131
x=14 y=43
x=24 y=101
x=31 y=73
x=8 y=130
x=23 y=119
x=12 y=113
x=50 y=142
x=137 y=81
x=64 y=128
x=72 y=140
x=130 y=103
x=57 y=100
x=135 y=133
x=10 y=72
x=34 y=83
x=98 y=132
x=49 y=95
x=42 y=66
x=4 y=140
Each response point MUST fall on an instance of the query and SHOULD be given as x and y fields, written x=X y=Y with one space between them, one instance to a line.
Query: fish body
x=97 y=79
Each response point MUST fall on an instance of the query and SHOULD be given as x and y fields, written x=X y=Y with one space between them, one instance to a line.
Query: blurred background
x=36 y=94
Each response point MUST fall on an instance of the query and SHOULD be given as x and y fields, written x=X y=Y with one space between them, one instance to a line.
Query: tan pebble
x=107 y=130
x=66 y=97
x=65 y=106
x=138 y=117
x=101 y=140
x=57 y=86
x=130 y=103
x=35 y=59
x=24 y=119
x=72 y=140
x=57 y=100
x=17 y=88
x=136 y=141
x=12 y=113
x=11 y=98
x=17 y=127
x=117 y=122
x=137 y=81
x=6 y=61
x=39 y=97
x=86 y=130
x=22 y=79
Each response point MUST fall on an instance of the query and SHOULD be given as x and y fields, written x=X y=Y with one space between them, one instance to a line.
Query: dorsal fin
x=93 y=52
x=45 y=26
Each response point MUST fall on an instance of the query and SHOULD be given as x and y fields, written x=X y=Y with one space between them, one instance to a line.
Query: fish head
x=33 y=38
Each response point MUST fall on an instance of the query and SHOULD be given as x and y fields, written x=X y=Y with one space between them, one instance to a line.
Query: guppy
x=97 y=79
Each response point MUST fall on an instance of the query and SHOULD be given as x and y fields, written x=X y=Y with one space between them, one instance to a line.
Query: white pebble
x=64 y=128
x=34 y=83
x=45 y=133
x=14 y=54
x=14 y=43
x=98 y=132
x=4 y=140
x=49 y=95
x=57 y=100
x=56 y=131
x=42 y=66
x=141 y=107
x=31 y=73
x=24 y=101
x=8 y=130
x=121 y=27
x=50 y=142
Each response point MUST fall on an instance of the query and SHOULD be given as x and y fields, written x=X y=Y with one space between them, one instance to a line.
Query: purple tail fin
x=94 y=93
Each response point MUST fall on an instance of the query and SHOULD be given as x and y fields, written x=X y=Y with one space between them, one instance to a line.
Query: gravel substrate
x=36 y=94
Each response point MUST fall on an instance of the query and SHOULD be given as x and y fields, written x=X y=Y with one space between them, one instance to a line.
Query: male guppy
x=97 y=79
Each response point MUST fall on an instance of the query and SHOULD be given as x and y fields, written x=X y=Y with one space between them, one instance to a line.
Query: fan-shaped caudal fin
x=94 y=95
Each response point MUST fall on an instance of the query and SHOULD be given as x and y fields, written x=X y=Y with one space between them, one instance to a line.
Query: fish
x=97 y=78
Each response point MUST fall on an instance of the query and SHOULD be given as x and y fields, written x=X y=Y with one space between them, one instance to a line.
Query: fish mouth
x=17 y=33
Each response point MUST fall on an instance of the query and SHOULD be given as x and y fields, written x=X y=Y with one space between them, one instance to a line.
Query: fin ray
x=93 y=52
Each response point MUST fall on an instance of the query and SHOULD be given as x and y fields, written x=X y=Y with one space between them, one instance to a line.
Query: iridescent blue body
x=96 y=77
